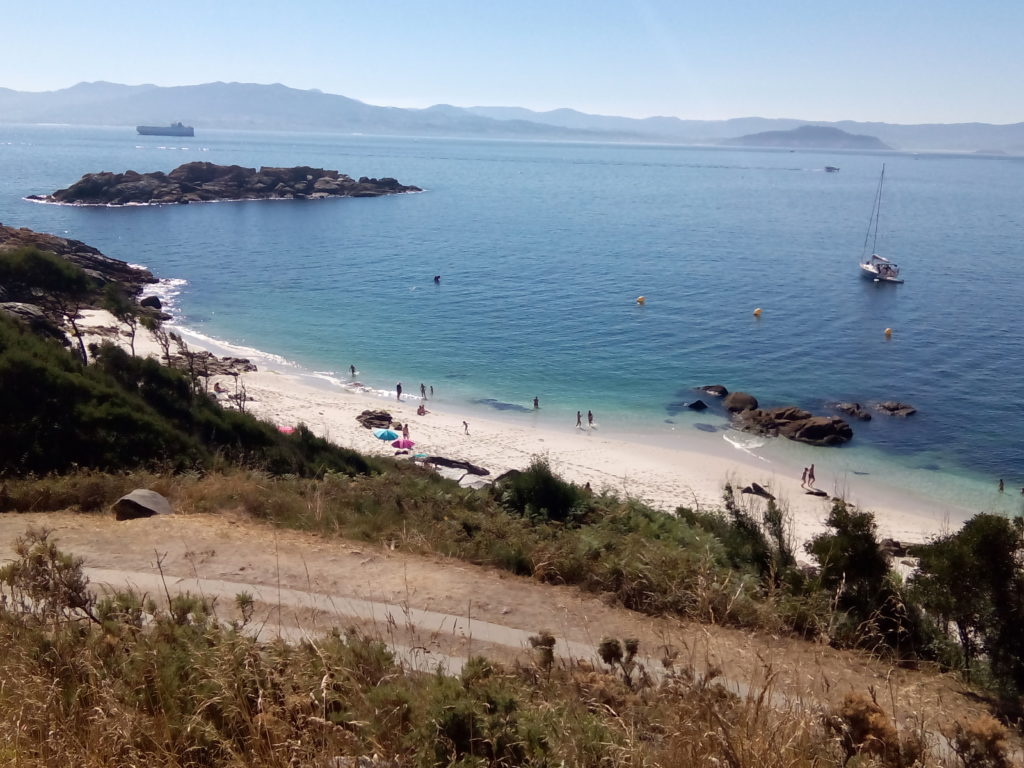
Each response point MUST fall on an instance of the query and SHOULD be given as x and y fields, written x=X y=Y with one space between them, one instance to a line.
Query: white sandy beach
x=665 y=477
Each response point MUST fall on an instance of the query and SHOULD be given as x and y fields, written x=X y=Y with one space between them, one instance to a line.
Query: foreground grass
x=124 y=681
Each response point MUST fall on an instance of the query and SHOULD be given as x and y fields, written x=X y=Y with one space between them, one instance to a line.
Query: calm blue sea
x=543 y=248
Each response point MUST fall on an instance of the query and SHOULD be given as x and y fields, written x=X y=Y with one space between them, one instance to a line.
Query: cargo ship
x=174 y=129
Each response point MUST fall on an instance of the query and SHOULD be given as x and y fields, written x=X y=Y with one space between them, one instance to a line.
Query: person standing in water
x=590 y=418
x=536 y=404
x=423 y=390
x=1001 y=486
x=579 y=420
x=353 y=369
x=398 y=391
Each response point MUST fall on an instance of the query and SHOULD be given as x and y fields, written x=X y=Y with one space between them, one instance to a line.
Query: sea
x=542 y=250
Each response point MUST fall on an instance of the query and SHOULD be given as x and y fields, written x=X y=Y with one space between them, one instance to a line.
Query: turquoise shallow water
x=542 y=250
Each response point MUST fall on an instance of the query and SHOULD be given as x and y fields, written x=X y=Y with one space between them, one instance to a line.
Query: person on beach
x=465 y=427
x=536 y=404
x=803 y=478
x=810 y=476
x=352 y=368
x=219 y=388
x=405 y=431
x=590 y=418
x=398 y=390
x=579 y=420
x=431 y=391
x=423 y=390
x=1001 y=485
x=422 y=410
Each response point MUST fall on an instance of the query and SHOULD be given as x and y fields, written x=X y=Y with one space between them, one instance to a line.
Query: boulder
x=757 y=490
x=895 y=408
x=34 y=318
x=853 y=409
x=795 y=424
x=473 y=469
x=739 y=401
x=141 y=503
x=892 y=547
x=697 y=405
x=153 y=302
x=374 y=419
x=714 y=389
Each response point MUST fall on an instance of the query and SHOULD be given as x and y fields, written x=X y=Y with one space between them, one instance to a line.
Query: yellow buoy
x=641 y=299
x=757 y=312
x=888 y=332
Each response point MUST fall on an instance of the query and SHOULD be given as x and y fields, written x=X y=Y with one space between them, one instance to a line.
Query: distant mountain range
x=808 y=137
x=278 y=107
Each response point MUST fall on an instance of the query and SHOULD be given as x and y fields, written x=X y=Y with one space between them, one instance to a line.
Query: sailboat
x=877 y=268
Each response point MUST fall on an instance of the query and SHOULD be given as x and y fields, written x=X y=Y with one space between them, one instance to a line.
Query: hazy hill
x=278 y=107
x=808 y=137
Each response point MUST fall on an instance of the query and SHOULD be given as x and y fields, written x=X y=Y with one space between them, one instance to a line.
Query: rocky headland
x=202 y=182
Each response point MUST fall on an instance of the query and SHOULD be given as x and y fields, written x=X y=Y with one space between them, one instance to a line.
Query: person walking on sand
x=590 y=418
x=803 y=478
x=536 y=404
x=423 y=390
x=398 y=391
x=810 y=476
x=579 y=420
x=465 y=427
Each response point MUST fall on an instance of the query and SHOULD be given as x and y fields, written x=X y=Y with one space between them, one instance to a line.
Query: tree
x=974 y=581
x=44 y=278
x=124 y=309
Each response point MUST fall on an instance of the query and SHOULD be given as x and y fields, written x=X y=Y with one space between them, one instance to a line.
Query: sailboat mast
x=878 y=210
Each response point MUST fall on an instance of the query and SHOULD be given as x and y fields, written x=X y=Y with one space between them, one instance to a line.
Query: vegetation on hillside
x=129 y=680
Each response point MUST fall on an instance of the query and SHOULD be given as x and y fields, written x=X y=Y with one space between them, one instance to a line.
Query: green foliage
x=123 y=412
x=29 y=274
x=974 y=580
x=539 y=493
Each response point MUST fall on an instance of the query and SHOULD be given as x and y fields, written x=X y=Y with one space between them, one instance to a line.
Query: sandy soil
x=436 y=612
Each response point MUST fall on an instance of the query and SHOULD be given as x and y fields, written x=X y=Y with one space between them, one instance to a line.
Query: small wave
x=167 y=290
x=745 y=444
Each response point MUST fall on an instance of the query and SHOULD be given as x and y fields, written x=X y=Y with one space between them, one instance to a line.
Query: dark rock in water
x=203 y=182
x=697 y=405
x=714 y=389
x=34 y=318
x=669 y=421
x=498 y=405
x=141 y=503
x=892 y=547
x=757 y=490
x=153 y=302
x=930 y=467
x=706 y=427
x=894 y=408
x=854 y=409
x=375 y=419
x=815 y=492
x=473 y=469
x=740 y=401
x=796 y=424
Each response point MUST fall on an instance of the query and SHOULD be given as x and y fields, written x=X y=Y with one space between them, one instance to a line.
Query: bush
x=538 y=492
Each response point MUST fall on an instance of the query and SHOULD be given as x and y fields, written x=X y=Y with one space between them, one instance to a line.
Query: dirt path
x=435 y=611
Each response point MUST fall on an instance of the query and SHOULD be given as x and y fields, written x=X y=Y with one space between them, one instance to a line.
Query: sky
x=897 y=61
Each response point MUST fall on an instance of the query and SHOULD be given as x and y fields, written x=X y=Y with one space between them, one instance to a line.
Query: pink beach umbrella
x=403 y=443
x=286 y=430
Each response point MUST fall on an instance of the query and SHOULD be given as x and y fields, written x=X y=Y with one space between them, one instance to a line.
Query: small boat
x=174 y=129
x=877 y=268
x=831 y=169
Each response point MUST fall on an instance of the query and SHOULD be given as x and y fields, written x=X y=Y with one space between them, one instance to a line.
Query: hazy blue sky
x=889 y=60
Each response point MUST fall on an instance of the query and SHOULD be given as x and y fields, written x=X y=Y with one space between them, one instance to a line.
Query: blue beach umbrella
x=385 y=434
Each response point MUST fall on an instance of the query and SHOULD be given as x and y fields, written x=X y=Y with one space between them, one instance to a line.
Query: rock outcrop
x=854 y=409
x=34 y=317
x=96 y=265
x=796 y=424
x=739 y=401
x=207 y=182
x=375 y=419
x=894 y=408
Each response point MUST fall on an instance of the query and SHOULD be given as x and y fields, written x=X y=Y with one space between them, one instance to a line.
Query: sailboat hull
x=870 y=272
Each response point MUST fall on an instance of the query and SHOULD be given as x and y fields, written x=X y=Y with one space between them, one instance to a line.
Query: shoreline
x=691 y=473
